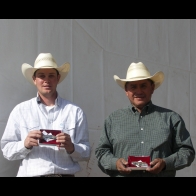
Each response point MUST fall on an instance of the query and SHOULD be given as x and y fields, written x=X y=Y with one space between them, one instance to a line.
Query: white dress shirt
x=46 y=159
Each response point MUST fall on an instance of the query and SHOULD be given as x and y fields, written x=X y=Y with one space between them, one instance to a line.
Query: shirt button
x=142 y=142
x=142 y=129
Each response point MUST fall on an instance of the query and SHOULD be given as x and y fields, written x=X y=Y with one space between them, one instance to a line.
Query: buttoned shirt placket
x=49 y=115
x=141 y=128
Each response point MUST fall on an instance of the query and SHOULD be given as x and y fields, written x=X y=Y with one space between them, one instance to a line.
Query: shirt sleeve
x=103 y=152
x=183 y=151
x=81 y=138
x=11 y=145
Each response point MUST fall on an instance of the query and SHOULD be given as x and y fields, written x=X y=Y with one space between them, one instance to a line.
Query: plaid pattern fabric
x=156 y=132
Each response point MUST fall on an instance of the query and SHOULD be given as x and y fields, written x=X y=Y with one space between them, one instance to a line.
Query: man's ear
x=126 y=92
x=58 y=77
x=153 y=87
x=33 y=77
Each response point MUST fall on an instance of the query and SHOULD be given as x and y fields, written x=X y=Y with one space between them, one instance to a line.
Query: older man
x=143 y=140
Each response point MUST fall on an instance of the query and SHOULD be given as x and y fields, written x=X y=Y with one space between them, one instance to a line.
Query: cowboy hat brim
x=157 y=78
x=28 y=71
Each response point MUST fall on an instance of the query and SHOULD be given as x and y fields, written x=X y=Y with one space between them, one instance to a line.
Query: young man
x=47 y=133
x=143 y=133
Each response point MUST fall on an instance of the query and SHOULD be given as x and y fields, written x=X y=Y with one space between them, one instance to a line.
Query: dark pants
x=58 y=175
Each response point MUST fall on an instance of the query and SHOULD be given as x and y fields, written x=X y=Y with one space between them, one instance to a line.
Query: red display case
x=49 y=136
x=139 y=162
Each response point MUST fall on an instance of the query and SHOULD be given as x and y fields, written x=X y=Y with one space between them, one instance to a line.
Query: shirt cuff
x=113 y=164
x=22 y=149
x=77 y=155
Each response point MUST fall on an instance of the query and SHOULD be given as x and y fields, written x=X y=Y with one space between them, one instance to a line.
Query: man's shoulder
x=162 y=109
x=26 y=103
x=119 y=112
x=69 y=104
x=166 y=112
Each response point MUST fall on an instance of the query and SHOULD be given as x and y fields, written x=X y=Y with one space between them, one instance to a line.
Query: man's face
x=46 y=81
x=139 y=92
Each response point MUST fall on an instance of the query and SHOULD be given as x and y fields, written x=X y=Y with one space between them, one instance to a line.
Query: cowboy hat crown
x=44 y=61
x=138 y=71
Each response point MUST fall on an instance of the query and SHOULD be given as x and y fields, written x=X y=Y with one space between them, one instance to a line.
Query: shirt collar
x=38 y=99
x=146 y=108
x=58 y=100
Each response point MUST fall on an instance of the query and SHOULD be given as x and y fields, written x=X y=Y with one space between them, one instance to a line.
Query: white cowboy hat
x=138 y=71
x=44 y=61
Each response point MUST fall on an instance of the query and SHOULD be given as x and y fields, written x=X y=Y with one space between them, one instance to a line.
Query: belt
x=58 y=175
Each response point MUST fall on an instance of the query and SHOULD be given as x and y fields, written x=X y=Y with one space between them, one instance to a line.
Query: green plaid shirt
x=156 y=132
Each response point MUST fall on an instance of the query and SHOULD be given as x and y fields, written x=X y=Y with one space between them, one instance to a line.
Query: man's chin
x=140 y=104
x=46 y=92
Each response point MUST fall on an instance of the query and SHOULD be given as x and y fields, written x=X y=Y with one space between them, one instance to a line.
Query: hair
x=151 y=82
x=34 y=74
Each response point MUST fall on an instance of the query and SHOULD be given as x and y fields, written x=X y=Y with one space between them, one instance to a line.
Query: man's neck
x=48 y=100
x=139 y=109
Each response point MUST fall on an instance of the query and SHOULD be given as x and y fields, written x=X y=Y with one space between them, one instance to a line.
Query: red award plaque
x=139 y=162
x=49 y=136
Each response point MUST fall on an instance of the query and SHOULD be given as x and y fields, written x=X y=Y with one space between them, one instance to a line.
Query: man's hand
x=122 y=166
x=157 y=166
x=32 y=139
x=65 y=141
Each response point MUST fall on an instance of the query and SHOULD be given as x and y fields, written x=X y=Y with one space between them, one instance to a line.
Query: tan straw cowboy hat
x=44 y=61
x=138 y=71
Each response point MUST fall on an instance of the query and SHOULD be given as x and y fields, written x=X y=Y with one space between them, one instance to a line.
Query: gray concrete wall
x=97 y=49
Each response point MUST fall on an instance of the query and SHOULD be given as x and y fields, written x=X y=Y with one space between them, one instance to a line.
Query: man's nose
x=46 y=79
x=138 y=90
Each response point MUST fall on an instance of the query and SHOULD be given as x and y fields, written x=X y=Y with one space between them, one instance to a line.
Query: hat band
x=139 y=77
x=47 y=58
